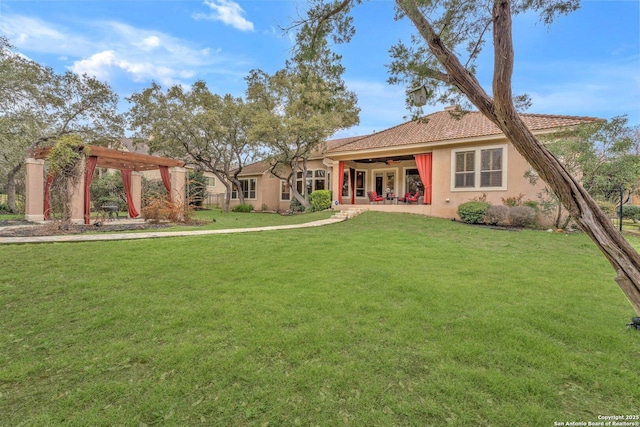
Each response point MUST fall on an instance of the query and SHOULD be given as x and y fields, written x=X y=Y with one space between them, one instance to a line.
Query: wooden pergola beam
x=116 y=159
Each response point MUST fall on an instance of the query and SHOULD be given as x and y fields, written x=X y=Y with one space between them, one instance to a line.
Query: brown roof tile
x=443 y=126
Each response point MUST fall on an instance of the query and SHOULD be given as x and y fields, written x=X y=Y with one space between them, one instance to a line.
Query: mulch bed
x=23 y=228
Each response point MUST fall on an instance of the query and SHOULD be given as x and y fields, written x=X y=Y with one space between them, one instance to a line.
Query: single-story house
x=449 y=159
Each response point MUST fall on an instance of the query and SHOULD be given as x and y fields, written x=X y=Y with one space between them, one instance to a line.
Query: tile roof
x=263 y=166
x=442 y=126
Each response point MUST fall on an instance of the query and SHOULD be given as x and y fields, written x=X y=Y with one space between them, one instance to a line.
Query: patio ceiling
x=388 y=160
x=116 y=159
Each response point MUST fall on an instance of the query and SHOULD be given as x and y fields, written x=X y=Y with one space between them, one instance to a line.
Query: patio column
x=77 y=199
x=136 y=190
x=178 y=185
x=34 y=190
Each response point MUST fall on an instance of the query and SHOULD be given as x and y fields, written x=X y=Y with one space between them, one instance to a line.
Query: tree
x=201 y=128
x=602 y=156
x=446 y=29
x=37 y=107
x=298 y=108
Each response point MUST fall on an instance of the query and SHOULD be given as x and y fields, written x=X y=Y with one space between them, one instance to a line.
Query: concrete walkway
x=338 y=217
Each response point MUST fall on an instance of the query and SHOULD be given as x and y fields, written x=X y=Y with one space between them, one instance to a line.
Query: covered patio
x=131 y=166
x=393 y=176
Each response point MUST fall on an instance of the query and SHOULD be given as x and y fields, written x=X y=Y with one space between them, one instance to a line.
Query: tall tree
x=450 y=36
x=298 y=108
x=199 y=127
x=37 y=107
x=602 y=155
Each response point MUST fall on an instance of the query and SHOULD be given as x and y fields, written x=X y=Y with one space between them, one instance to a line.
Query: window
x=479 y=168
x=211 y=181
x=465 y=169
x=345 y=183
x=491 y=167
x=248 y=188
x=360 y=183
x=285 y=190
x=316 y=180
x=412 y=181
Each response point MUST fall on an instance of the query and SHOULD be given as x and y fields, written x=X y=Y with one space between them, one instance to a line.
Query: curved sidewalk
x=157 y=234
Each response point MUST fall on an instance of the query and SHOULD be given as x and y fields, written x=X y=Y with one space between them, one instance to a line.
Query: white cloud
x=112 y=51
x=36 y=35
x=228 y=12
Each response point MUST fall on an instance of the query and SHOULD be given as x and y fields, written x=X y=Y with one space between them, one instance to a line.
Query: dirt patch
x=23 y=228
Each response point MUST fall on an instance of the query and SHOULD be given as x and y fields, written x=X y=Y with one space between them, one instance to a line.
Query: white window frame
x=477 y=168
x=363 y=189
x=282 y=184
x=234 y=191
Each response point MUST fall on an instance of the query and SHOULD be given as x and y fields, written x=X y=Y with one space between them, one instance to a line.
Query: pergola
x=130 y=164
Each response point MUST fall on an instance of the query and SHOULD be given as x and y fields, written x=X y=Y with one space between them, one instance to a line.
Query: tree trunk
x=11 y=187
x=501 y=111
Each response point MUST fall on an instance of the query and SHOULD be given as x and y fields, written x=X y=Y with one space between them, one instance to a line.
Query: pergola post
x=136 y=190
x=34 y=190
x=178 y=184
x=77 y=198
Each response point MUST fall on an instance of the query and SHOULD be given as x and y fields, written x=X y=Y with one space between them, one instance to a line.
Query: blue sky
x=586 y=63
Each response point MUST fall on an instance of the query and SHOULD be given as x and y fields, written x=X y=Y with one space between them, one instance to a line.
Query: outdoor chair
x=404 y=198
x=414 y=198
x=374 y=198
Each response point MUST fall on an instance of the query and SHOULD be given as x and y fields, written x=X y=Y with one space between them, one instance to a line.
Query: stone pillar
x=34 y=191
x=178 y=184
x=136 y=190
x=179 y=188
x=77 y=200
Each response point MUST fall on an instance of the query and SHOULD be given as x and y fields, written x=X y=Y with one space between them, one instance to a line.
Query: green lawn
x=382 y=320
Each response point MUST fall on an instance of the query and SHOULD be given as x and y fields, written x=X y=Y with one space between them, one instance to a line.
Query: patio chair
x=374 y=198
x=404 y=198
x=414 y=198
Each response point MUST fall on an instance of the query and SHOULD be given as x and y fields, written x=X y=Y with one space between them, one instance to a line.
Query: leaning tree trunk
x=11 y=187
x=501 y=111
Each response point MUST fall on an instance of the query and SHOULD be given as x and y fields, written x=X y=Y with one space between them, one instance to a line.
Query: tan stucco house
x=449 y=159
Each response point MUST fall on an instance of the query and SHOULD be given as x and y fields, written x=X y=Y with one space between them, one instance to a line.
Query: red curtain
x=126 y=181
x=164 y=173
x=352 y=179
x=424 y=164
x=340 y=180
x=88 y=176
x=47 y=196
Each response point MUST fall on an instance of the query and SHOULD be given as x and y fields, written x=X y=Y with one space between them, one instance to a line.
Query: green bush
x=608 y=208
x=631 y=212
x=197 y=188
x=320 y=200
x=473 y=212
x=296 y=206
x=243 y=208
x=4 y=208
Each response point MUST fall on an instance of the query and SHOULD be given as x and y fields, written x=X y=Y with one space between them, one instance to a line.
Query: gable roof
x=443 y=126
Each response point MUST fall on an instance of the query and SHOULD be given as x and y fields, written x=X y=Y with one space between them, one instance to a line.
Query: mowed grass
x=382 y=320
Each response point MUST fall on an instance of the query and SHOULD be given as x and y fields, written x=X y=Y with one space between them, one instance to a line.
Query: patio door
x=385 y=182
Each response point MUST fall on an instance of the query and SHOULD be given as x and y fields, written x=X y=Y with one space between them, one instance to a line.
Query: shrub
x=296 y=206
x=320 y=200
x=631 y=212
x=608 y=208
x=522 y=216
x=496 y=214
x=243 y=208
x=473 y=212
x=532 y=204
x=4 y=208
x=513 y=200
x=197 y=188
